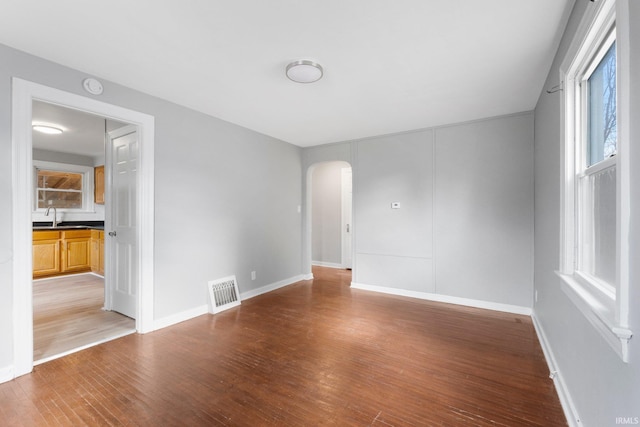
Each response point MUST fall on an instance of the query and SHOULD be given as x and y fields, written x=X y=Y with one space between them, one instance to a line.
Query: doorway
x=24 y=93
x=331 y=215
x=72 y=307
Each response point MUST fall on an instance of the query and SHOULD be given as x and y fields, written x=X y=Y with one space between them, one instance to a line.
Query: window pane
x=59 y=180
x=601 y=229
x=59 y=199
x=602 y=132
x=59 y=189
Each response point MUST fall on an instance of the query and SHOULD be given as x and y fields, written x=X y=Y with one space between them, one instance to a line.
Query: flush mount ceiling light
x=304 y=71
x=51 y=130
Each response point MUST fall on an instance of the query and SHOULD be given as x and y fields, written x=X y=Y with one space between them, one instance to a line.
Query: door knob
x=112 y=233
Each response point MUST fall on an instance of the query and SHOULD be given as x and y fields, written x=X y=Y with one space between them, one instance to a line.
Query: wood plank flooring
x=67 y=314
x=312 y=353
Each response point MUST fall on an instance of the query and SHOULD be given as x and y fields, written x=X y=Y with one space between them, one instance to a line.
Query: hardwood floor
x=68 y=315
x=312 y=353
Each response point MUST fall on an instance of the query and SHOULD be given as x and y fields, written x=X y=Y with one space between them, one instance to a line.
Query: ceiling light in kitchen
x=48 y=129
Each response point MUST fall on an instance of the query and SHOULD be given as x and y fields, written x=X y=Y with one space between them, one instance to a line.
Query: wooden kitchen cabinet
x=98 y=185
x=46 y=253
x=60 y=252
x=97 y=251
x=76 y=250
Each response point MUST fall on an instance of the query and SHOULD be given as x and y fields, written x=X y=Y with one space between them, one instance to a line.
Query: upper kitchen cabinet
x=99 y=185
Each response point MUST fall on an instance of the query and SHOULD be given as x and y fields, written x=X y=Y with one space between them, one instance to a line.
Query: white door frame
x=24 y=93
x=346 y=198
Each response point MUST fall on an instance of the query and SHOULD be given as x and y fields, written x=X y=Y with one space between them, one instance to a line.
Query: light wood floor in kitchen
x=68 y=316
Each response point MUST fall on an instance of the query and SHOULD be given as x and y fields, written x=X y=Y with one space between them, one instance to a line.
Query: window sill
x=600 y=310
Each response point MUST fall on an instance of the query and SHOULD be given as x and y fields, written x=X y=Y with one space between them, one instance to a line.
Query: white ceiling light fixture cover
x=304 y=71
x=51 y=130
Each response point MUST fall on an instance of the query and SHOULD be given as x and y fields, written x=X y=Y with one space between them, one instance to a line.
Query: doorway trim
x=24 y=93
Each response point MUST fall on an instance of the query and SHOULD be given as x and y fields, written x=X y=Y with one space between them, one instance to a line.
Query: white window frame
x=606 y=306
x=87 y=184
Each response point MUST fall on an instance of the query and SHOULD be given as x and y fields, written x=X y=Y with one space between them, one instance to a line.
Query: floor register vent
x=224 y=294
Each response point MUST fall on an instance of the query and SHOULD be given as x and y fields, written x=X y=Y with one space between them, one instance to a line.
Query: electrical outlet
x=253 y=275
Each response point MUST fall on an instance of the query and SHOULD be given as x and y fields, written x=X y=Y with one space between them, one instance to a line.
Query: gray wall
x=226 y=198
x=327 y=213
x=72 y=159
x=465 y=225
x=394 y=247
x=600 y=385
x=484 y=210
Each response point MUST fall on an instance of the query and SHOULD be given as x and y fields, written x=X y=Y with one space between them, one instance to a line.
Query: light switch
x=395 y=205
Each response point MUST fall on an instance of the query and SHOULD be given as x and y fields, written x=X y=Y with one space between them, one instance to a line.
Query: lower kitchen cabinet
x=68 y=251
x=76 y=251
x=97 y=251
x=46 y=253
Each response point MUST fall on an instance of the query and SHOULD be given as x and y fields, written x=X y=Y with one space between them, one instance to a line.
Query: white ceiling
x=83 y=133
x=390 y=66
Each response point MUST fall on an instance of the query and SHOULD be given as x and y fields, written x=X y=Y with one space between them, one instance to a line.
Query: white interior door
x=121 y=228
x=347 y=212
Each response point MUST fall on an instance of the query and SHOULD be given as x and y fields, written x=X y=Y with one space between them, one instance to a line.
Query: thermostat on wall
x=395 y=205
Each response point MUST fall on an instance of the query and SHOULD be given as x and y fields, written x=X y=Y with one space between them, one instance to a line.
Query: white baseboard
x=6 y=374
x=204 y=309
x=508 y=308
x=180 y=317
x=272 y=287
x=570 y=412
x=326 y=264
x=307 y=276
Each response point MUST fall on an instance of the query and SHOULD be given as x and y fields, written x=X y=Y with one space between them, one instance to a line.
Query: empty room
x=411 y=213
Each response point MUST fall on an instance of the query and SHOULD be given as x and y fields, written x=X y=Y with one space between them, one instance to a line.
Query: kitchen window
x=63 y=186
x=594 y=186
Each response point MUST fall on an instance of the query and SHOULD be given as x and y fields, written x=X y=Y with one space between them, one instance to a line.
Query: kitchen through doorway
x=23 y=94
x=71 y=309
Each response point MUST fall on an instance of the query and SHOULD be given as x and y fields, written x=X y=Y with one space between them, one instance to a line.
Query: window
x=63 y=186
x=59 y=189
x=592 y=247
x=596 y=139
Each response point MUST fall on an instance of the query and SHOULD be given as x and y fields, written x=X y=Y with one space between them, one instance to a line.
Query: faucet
x=54 y=223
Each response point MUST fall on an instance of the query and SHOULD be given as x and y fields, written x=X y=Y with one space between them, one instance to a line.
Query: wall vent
x=224 y=294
